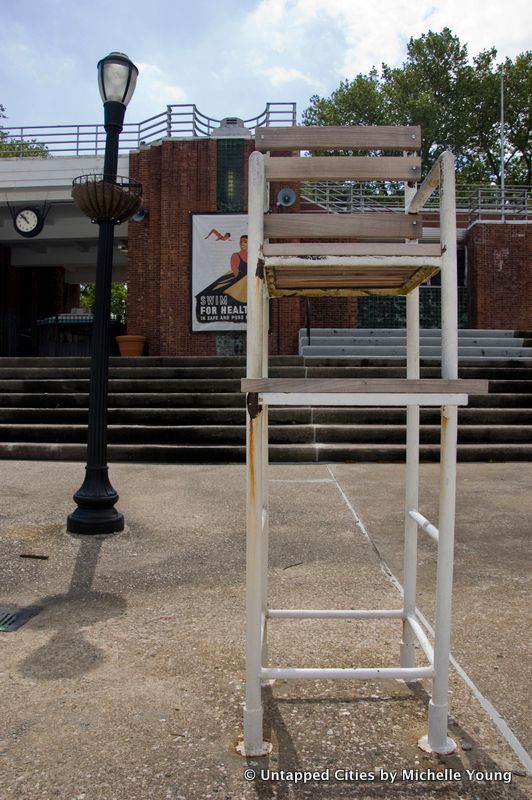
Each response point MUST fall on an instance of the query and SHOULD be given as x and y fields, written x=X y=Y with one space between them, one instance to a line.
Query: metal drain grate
x=13 y=618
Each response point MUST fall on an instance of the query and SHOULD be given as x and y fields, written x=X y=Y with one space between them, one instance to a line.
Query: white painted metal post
x=265 y=502
x=449 y=282
x=253 y=741
x=437 y=739
x=407 y=649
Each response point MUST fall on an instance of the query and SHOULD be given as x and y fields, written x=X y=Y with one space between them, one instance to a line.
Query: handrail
x=181 y=120
x=476 y=201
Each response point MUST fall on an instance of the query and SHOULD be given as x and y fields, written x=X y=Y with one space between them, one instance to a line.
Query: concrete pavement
x=129 y=683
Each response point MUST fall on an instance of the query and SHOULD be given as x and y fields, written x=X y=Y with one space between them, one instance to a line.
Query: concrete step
x=279 y=434
x=144 y=373
x=356 y=351
x=193 y=410
x=391 y=343
x=290 y=415
x=286 y=453
x=400 y=341
x=127 y=400
x=366 y=333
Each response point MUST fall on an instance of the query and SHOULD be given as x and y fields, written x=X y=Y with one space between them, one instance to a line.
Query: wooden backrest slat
x=335 y=168
x=374 y=225
x=359 y=137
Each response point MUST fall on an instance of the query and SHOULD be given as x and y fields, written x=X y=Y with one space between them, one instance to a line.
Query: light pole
x=108 y=201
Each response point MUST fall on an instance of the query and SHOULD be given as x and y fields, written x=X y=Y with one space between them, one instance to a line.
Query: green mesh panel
x=390 y=312
x=230 y=175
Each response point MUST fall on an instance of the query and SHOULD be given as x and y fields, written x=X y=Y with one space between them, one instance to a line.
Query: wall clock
x=28 y=221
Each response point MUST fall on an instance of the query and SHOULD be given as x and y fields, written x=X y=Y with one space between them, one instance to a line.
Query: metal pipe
x=334 y=613
x=424 y=523
x=253 y=741
x=340 y=674
x=422 y=638
x=438 y=740
x=449 y=280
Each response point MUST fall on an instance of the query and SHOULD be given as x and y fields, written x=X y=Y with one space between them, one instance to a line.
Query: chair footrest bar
x=337 y=674
x=421 y=636
x=334 y=613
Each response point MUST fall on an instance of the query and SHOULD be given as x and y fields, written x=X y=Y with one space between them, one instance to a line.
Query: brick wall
x=500 y=276
x=179 y=177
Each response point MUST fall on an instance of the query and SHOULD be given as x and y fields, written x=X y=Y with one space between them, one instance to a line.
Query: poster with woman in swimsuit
x=219 y=272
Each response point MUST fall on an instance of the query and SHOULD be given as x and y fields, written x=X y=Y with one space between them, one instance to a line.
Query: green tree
x=87 y=297
x=10 y=148
x=455 y=100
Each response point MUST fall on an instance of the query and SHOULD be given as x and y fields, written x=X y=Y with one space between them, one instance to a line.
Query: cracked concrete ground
x=129 y=683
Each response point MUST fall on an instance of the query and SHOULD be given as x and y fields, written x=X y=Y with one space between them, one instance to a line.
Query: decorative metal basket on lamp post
x=103 y=200
x=107 y=200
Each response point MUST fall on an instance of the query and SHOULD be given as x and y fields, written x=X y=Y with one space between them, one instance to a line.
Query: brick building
x=206 y=173
x=209 y=175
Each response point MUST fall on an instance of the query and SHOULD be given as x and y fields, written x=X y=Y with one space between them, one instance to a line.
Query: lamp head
x=117 y=77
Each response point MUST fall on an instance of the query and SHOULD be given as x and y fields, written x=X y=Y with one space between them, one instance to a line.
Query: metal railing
x=177 y=121
x=479 y=202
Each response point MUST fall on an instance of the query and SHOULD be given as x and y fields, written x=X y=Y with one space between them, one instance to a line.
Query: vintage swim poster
x=219 y=272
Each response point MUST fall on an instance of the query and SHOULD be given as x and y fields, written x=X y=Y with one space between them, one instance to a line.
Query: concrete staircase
x=183 y=410
x=377 y=343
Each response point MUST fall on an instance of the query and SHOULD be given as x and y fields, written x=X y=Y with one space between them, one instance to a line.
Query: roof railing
x=178 y=121
x=478 y=202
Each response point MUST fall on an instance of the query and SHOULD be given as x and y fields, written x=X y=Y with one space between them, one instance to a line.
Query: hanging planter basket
x=107 y=201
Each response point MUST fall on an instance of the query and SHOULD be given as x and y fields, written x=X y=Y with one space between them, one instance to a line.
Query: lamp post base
x=95 y=514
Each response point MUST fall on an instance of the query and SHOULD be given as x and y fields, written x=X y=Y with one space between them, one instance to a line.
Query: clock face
x=28 y=222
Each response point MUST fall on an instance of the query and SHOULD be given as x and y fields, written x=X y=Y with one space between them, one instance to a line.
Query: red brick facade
x=500 y=276
x=179 y=178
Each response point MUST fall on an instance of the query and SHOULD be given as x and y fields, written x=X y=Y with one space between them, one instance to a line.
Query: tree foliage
x=87 y=298
x=11 y=148
x=455 y=100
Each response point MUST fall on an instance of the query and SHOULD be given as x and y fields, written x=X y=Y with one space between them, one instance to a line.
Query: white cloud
x=156 y=88
x=279 y=75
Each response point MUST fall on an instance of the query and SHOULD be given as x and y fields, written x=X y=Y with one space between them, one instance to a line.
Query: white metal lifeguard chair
x=359 y=254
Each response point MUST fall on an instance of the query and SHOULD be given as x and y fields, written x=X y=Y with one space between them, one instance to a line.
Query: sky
x=229 y=57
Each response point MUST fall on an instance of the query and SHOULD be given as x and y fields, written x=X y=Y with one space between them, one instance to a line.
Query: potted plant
x=131 y=344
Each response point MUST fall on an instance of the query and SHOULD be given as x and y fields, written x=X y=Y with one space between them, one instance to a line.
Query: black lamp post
x=108 y=201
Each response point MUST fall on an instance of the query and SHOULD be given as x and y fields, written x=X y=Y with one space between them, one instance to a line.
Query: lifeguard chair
x=352 y=254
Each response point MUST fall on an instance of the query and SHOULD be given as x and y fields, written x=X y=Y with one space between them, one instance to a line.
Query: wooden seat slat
x=373 y=385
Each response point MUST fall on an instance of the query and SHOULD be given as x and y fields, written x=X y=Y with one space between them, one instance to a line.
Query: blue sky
x=228 y=57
